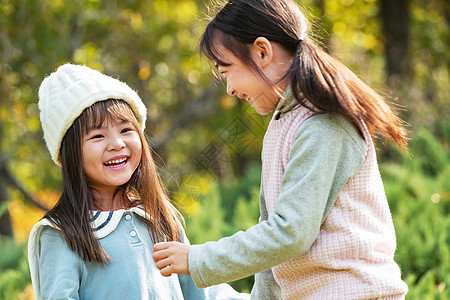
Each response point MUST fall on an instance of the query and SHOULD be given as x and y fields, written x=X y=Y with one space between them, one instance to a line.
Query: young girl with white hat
x=97 y=241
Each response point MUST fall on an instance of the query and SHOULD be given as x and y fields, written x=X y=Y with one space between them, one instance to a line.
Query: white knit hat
x=69 y=90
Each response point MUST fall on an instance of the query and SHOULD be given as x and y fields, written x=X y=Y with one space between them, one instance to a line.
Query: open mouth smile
x=116 y=163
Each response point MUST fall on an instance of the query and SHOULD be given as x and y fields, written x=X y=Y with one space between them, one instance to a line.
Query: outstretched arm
x=171 y=257
x=318 y=168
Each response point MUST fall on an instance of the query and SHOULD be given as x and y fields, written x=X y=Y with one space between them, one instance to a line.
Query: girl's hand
x=171 y=257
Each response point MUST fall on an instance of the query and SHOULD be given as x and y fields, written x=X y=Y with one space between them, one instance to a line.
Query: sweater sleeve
x=265 y=286
x=327 y=150
x=60 y=269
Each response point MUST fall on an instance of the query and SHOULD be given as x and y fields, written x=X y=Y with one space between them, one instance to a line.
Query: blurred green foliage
x=14 y=271
x=418 y=191
x=207 y=143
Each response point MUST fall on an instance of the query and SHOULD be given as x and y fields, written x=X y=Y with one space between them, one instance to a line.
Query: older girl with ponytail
x=325 y=230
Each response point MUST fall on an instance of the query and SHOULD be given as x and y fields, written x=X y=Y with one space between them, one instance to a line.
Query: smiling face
x=243 y=82
x=110 y=155
x=110 y=149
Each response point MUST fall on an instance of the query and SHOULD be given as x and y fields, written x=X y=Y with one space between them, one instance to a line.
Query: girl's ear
x=262 y=51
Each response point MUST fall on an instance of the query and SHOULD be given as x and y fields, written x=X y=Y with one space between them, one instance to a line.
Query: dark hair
x=325 y=82
x=73 y=212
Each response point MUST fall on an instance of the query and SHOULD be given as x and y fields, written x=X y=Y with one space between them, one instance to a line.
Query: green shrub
x=419 y=196
x=14 y=271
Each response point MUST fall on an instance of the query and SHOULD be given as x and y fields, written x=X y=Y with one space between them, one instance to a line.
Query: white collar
x=105 y=222
x=102 y=222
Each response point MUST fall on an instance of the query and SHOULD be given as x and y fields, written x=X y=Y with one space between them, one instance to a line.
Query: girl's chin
x=262 y=112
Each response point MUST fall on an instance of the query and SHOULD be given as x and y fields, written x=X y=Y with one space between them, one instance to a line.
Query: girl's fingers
x=163 y=263
x=171 y=257
x=160 y=251
x=158 y=255
x=161 y=246
x=166 y=272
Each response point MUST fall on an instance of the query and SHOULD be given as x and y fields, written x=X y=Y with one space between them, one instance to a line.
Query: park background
x=208 y=144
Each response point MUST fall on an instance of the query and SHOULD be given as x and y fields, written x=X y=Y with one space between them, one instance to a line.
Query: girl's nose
x=230 y=90
x=116 y=143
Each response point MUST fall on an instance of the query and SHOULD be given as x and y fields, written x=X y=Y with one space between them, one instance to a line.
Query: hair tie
x=297 y=41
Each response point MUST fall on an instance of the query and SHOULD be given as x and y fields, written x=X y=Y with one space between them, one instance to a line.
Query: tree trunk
x=395 y=18
x=5 y=220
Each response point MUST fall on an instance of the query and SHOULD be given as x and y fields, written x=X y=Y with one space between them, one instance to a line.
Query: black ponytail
x=327 y=84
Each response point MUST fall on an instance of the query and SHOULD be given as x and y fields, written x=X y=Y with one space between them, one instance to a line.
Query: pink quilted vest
x=352 y=257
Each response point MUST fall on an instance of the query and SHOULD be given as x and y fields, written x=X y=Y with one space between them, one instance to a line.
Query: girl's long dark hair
x=325 y=82
x=73 y=212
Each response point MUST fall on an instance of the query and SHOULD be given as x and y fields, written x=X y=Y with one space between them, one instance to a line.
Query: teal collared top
x=59 y=273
